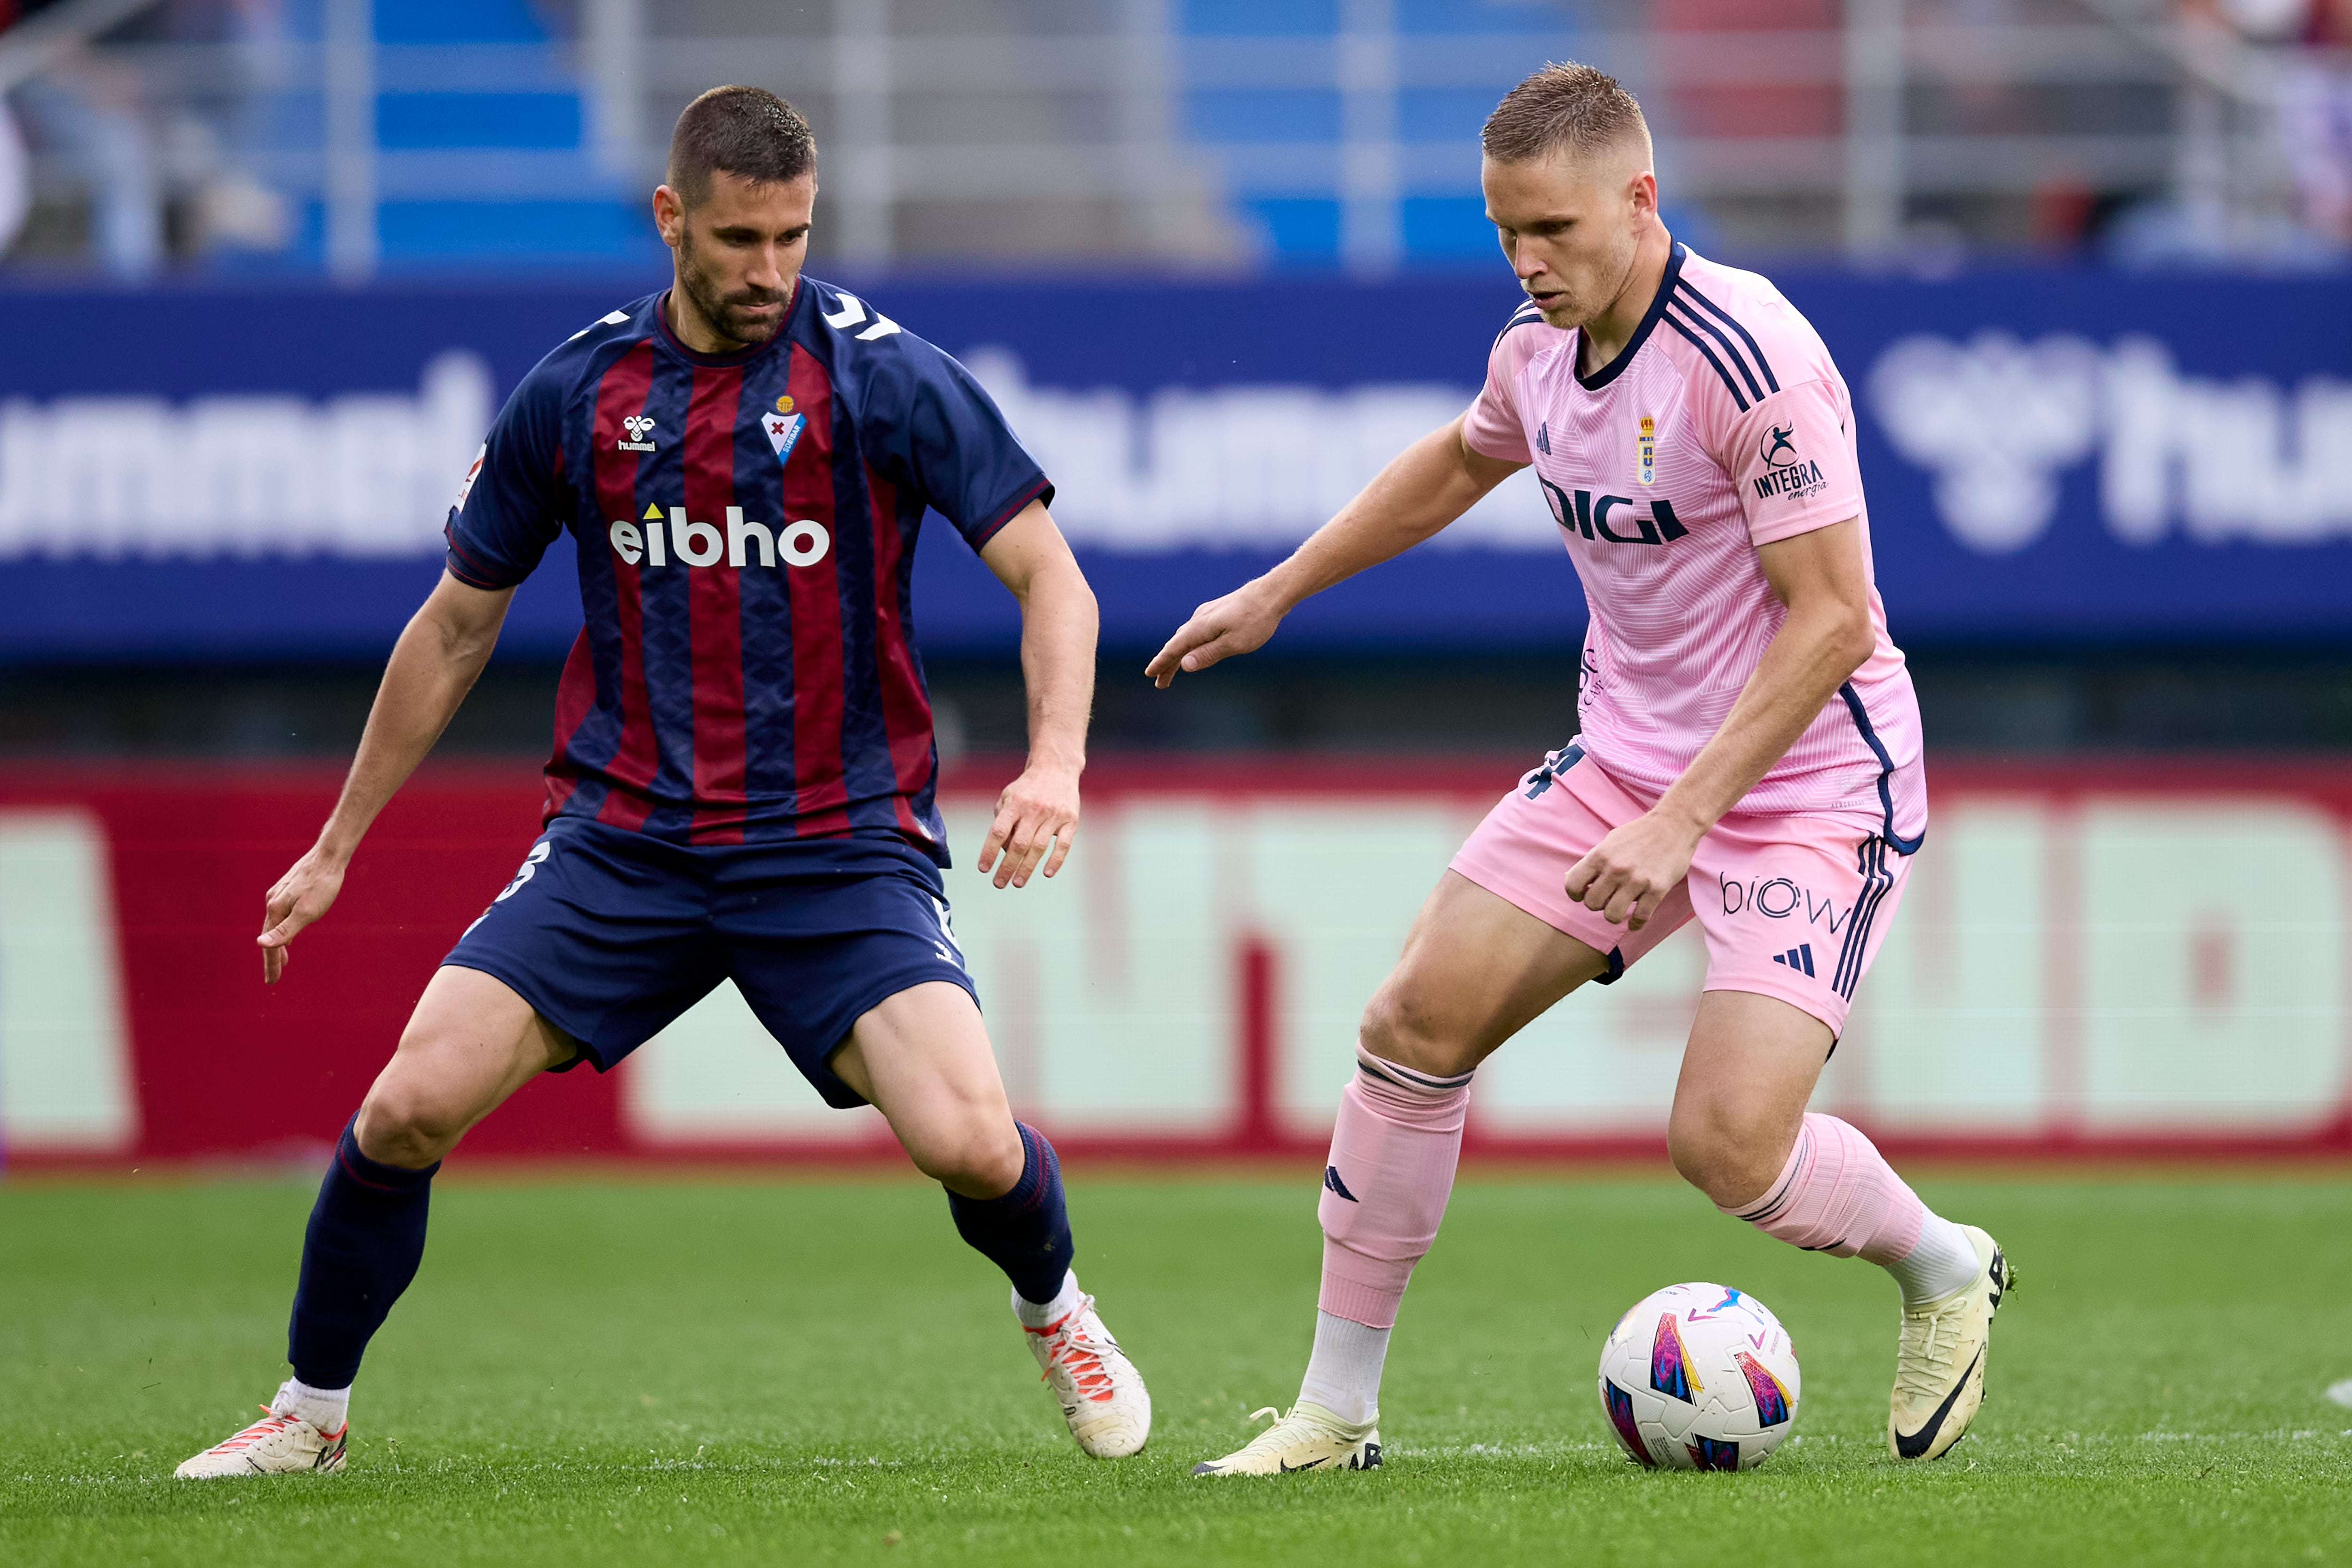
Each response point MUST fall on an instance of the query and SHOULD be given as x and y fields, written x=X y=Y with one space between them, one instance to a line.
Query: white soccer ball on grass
x=1699 y=1377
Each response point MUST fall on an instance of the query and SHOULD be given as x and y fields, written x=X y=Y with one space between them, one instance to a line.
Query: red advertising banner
x=2140 y=958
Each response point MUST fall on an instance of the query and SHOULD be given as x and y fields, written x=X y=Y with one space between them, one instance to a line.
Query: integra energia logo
x=1785 y=473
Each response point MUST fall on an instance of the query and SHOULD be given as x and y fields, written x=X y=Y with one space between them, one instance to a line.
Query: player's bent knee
x=1394 y=1029
x=399 y=1127
x=978 y=1158
x=414 y=1114
x=1729 y=1160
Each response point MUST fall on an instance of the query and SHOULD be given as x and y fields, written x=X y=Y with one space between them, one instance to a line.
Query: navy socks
x=365 y=1239
x=1026 y=1232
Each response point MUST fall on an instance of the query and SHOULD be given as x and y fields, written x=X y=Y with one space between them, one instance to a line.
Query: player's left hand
x=1036 y=819
x=1630 y=872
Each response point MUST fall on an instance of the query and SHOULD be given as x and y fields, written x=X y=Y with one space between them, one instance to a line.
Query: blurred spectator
x=16 y=179
x=2315 y=96
x=92 y=114
x=2316 y=120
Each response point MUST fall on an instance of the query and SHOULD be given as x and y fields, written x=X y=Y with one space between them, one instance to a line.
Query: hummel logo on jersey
x=801 y=543
x=638 y=426
x=1332 y=1183
x=1798 y=957
x=1590 y=517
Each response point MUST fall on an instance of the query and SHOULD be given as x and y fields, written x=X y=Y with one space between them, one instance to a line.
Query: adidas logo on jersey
x=655 y=541
x=1798 y=957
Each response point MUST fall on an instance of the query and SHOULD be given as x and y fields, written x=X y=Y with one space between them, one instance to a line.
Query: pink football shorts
x=1792 y=906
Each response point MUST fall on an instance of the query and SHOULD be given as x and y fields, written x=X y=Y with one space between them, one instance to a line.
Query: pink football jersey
x=1721 y=426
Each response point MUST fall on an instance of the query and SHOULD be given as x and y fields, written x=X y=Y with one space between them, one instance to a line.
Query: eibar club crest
x=1649 y=450
x=784 y=429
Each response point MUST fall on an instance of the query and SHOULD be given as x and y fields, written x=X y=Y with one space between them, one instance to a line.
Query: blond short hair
x=1567 y=108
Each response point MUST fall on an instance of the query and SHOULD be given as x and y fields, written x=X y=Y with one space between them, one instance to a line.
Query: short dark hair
x=748 y=132
x=1578 y=109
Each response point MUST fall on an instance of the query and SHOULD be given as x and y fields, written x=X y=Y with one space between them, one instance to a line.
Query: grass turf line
x=818 y=1371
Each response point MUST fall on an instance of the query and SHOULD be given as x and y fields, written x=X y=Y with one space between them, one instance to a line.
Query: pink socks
x=1838 y=1194
x=1391 y=1169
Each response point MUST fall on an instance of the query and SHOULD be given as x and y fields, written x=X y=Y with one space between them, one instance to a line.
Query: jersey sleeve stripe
x=464 y=567
x=1041 y=487
x=1730 y=351
x=1700 y=343
x=1730 y=320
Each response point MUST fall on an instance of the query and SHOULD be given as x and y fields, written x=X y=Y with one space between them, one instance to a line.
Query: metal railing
x=1096 y=119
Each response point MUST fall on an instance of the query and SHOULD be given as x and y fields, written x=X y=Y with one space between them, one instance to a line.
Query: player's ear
x=1643 y=193
x=669 y=214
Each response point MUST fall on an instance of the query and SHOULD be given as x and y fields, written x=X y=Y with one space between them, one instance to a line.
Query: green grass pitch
x=650 y=1370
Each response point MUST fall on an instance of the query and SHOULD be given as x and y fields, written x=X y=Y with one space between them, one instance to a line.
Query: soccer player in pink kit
x=1748 y=754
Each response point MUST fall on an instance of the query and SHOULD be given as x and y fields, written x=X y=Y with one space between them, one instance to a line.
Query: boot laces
x=1929 y=1350
x=1070 y=1348
x=271 y=1424
x=1282 y=1433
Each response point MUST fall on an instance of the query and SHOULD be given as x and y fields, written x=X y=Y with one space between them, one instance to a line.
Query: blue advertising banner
x=2049 y=455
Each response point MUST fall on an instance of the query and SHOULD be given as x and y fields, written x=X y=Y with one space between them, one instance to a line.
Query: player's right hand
x=1239 y=623
x=301 y=896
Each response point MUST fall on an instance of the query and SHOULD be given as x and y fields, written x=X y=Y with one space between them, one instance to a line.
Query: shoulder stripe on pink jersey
x=1683 y=285
x=1526 y=315
x=1689 y=319
x=1709 y=354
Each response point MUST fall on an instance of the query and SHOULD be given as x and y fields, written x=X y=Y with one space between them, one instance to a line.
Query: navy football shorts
x=611 y=935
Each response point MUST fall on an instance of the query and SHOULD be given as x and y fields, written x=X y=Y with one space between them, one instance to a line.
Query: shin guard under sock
x=1838 y=1194
x=1393 y=1150
x=1026 y=1232
x=365 y=1238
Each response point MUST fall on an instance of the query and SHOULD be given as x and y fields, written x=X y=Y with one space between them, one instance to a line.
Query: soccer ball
x=1699 y=1377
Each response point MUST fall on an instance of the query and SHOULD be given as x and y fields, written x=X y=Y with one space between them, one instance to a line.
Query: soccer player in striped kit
x=1748 y=754
x=742 y=780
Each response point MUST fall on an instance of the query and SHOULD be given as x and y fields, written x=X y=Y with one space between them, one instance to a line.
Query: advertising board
x=1188 y=987
x=2050 y=456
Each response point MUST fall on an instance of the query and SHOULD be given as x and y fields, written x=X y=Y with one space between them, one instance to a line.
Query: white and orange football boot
x=281 y=1443
x=1103 y=1398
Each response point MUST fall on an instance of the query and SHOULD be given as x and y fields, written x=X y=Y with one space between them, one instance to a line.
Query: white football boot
x=1939 y=1362
x=1103 y=1398
x=1309 y=1438
x=279 y=1444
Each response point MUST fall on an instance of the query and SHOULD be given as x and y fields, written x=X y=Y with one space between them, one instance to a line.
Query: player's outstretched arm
x=1828 y=634
x=437 y=662
x=1037 y=814
x=1425 y=486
